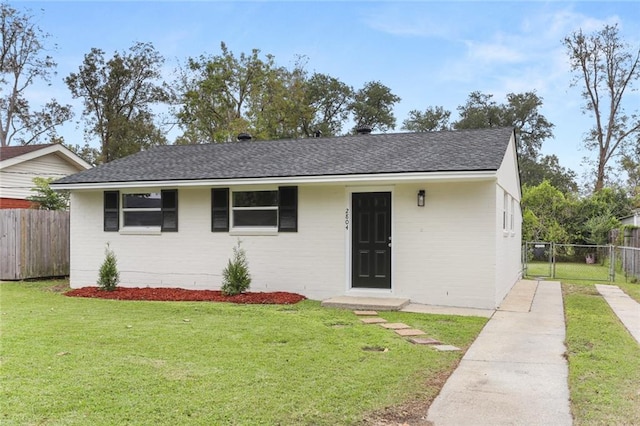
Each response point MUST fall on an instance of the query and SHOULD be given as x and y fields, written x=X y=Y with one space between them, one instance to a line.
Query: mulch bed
x=179 y=294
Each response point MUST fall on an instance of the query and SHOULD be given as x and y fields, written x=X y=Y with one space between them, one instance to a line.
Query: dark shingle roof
x=7 y=152
x=449 y=151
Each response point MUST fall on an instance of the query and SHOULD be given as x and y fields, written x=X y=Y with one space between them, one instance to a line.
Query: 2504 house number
x=346 y=219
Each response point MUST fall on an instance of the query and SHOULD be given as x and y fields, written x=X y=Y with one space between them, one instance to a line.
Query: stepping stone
x=395 y=325
x=424 y=341
x=446 y=348
x=365 y=313
x=373 y=320
x=410 y=332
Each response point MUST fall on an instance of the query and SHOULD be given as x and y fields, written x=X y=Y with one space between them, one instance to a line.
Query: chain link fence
x=627 y=263
x=580 y=262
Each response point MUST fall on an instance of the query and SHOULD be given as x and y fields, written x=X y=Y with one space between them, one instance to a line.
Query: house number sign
x=346 y=219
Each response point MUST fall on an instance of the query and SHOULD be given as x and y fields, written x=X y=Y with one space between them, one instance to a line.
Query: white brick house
x=433 y=217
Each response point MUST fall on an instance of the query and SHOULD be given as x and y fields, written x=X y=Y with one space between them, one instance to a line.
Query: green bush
x=235 y=277
x=109 y=277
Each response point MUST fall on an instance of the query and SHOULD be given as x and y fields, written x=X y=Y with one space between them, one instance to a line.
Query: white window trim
x=139 y=230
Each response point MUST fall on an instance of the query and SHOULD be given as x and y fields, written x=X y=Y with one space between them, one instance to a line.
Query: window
x=270 y=209
x=511 y=214
x=255 y=209
x=505 y=211
x=142 y=210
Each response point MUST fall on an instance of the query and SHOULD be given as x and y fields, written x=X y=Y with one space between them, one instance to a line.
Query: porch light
x=421 y=194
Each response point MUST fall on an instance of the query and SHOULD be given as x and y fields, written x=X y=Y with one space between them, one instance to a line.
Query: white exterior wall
x=444 y=252
x=17 y=180
x=508 y=243
x=309 y=262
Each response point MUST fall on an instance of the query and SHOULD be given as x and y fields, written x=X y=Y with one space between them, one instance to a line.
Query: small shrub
x=235 y=277
x=109 y=277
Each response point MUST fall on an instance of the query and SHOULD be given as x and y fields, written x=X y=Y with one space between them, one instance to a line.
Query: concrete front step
x=366 y=303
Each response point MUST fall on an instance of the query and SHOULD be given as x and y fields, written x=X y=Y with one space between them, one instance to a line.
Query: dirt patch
x=412 y=412
x=182 y=295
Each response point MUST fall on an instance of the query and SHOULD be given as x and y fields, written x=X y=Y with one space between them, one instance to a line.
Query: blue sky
x=429 y=53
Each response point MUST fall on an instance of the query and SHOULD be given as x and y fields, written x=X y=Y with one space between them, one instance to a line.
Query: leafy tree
x=279 y=109
x=432 y=119
x=118 y=95
x=108 y=275
x=534 y=172
x=215 y=94
x=521 y=111
x=631 y=164
x=373 y=106
x=545 y=211
x=329 y=99
x=606 y=68
x=480 y=112
x=47 y=198
x=23 y=62
x=235 y=277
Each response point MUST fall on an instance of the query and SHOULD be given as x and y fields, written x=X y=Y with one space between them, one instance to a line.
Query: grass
x=604 y=360
x=72 y=361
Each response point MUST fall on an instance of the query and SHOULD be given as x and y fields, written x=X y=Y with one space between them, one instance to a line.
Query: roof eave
x=373 y=178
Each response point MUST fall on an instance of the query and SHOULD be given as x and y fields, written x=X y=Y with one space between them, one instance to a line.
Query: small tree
x=47 y=198
x=109 y=277
x=235 y=277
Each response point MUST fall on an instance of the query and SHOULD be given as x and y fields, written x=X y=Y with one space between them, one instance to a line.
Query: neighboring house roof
x=12 y=155
x=448 y=151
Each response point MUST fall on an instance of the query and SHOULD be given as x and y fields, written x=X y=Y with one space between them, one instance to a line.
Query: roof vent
x=244 y=137
x=363 y=130
x=317 y=134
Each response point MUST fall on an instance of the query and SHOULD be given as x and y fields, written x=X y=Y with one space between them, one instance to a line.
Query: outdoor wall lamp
x=421 y=198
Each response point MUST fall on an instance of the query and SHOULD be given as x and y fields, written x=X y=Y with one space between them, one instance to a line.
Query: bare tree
x=23 y=62
x=607 y=68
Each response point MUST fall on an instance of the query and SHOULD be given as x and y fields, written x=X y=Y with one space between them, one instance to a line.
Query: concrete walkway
x=627 y=309
x=515 y=372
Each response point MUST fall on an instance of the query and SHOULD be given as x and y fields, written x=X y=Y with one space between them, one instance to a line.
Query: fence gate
x=569 y=261
x=538 y=259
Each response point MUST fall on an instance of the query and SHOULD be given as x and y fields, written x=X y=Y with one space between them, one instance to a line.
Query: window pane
x=257 y=218
x=255 y=199
x=153 y=218
x=142 y=201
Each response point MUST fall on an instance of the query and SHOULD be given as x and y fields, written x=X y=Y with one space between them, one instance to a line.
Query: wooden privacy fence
x=33 y=243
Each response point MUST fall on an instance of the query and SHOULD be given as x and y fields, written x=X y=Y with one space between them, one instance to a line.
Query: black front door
x=371 y=240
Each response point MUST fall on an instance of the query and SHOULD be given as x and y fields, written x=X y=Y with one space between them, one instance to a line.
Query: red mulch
x=179 y=294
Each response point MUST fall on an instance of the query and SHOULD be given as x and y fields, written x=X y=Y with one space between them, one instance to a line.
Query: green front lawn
x=76 y=361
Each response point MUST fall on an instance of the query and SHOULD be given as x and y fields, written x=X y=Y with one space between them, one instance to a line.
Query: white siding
x=17 y=180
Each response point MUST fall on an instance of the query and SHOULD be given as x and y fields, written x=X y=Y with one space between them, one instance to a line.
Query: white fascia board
x=68 y=155
x=368 y=179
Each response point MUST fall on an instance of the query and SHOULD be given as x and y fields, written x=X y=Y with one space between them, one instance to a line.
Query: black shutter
x=288 y=209
x=111 y=211
x=220 y=210
x=169 y=210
